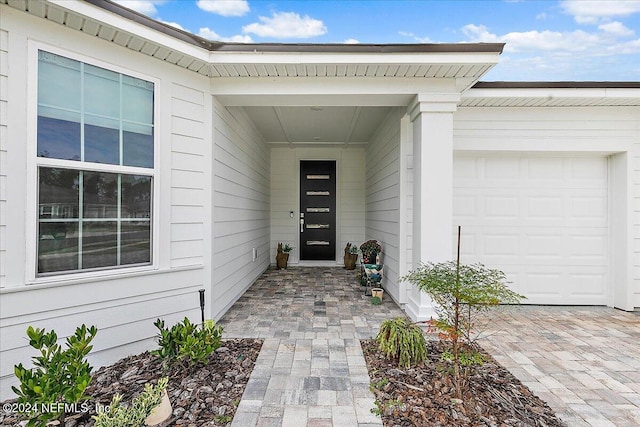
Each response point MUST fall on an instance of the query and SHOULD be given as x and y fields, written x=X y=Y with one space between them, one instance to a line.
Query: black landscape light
x=202 y=304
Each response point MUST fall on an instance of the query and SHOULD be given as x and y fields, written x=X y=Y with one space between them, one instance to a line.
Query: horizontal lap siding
x=383 y=197
x=123 y=305
x=241 y=181
x=284 y=199
x=4 y=85
x=123 y=310
x=636 y=215
x=352 y=198
x=188 y=162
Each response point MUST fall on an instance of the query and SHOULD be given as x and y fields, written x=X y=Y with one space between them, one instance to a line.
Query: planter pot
x=161 y=412
x=377 y=292
x=350 y=261
x=281 y=261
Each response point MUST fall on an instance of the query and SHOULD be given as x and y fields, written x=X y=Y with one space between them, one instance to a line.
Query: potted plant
x=350 y=256
x=370 y=251
x=377 y=293
x=282 y=257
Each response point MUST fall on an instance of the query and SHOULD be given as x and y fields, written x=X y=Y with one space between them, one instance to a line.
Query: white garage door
x=542 y=220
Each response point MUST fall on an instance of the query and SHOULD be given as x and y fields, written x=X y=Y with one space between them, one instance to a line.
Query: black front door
x=317 y=210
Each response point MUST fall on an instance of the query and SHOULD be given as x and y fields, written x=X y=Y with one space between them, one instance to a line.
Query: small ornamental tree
x=462 y=294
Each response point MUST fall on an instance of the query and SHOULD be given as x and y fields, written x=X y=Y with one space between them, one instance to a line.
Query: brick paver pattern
x=583 y=361
x=310 y=370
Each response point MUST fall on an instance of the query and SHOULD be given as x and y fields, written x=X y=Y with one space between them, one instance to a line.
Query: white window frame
x=34 y=162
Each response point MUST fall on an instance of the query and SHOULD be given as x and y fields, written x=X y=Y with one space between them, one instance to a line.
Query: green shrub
x=135 y=414
x=376 y=300
x=401 y=340
x=59 y=377
x=187 y=343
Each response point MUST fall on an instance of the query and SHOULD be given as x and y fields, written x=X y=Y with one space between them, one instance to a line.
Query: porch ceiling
x=336 y=125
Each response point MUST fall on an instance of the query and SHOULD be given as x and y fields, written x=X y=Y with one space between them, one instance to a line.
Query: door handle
x=301 y=225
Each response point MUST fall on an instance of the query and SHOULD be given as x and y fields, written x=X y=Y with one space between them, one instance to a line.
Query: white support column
x=432 y=119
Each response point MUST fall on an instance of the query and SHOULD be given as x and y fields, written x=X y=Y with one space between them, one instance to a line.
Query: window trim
x=34 y=162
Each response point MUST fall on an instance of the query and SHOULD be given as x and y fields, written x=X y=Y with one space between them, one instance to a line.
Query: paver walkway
x=310 y=370
x=583 y=361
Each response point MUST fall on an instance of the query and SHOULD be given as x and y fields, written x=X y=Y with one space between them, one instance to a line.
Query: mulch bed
x=205 y=396
x=423 y=395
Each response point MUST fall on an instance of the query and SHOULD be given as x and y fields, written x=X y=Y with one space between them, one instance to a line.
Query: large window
x=95 y=167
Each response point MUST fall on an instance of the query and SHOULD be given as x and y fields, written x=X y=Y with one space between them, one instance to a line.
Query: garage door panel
x=588 y=249
x=539 y=285
x=547 y=171
x=589 y=171
x=593 y=207
x=501 y=169
x=545 y=207
x=465 y=206
x=502 y=207
x=587 y=284
x=543 y=221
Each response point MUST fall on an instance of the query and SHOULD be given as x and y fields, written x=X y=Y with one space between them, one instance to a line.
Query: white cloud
x=416 y=38
x=148 y=7
x=283 y=25
x=570 y=41
x=351 y=41
x=561 y=55
x=616 y=29
x=594 y=11
x=224 y=7
x=208 y=33
x=174 y=24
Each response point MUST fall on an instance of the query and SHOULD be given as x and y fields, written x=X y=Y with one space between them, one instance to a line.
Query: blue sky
x=547 y=40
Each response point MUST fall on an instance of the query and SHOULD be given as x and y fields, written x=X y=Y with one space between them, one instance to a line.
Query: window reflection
x=134 y=246
x=58 y=193
x=100 y=195
x=57 y=246
x=99 y=244
x=136 y=197
x=58 y=139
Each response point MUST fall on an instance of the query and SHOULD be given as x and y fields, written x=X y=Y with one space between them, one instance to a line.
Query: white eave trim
x=89 y=11
x=227 y=62
x=551 y=97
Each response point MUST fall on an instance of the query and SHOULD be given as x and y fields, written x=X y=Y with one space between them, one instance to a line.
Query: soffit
x=121 y=26
x=552 y=94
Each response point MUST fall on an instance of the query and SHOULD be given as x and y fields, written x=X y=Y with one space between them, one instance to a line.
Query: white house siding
x=189 y=156
x=122 y=304
x=241 y=206
x=383 y=196
x=4 y=87
x=636 y=214
x=350 y=171
x=574 y=143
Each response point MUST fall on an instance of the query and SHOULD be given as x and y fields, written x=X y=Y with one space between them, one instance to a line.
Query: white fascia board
x=552 y=93
x=329 y=85
x=326 y=91
x=471 y=58
x=122 y=24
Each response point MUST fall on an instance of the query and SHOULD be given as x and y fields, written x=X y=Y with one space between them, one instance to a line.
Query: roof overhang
x=552 y=94
x=117 y=24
